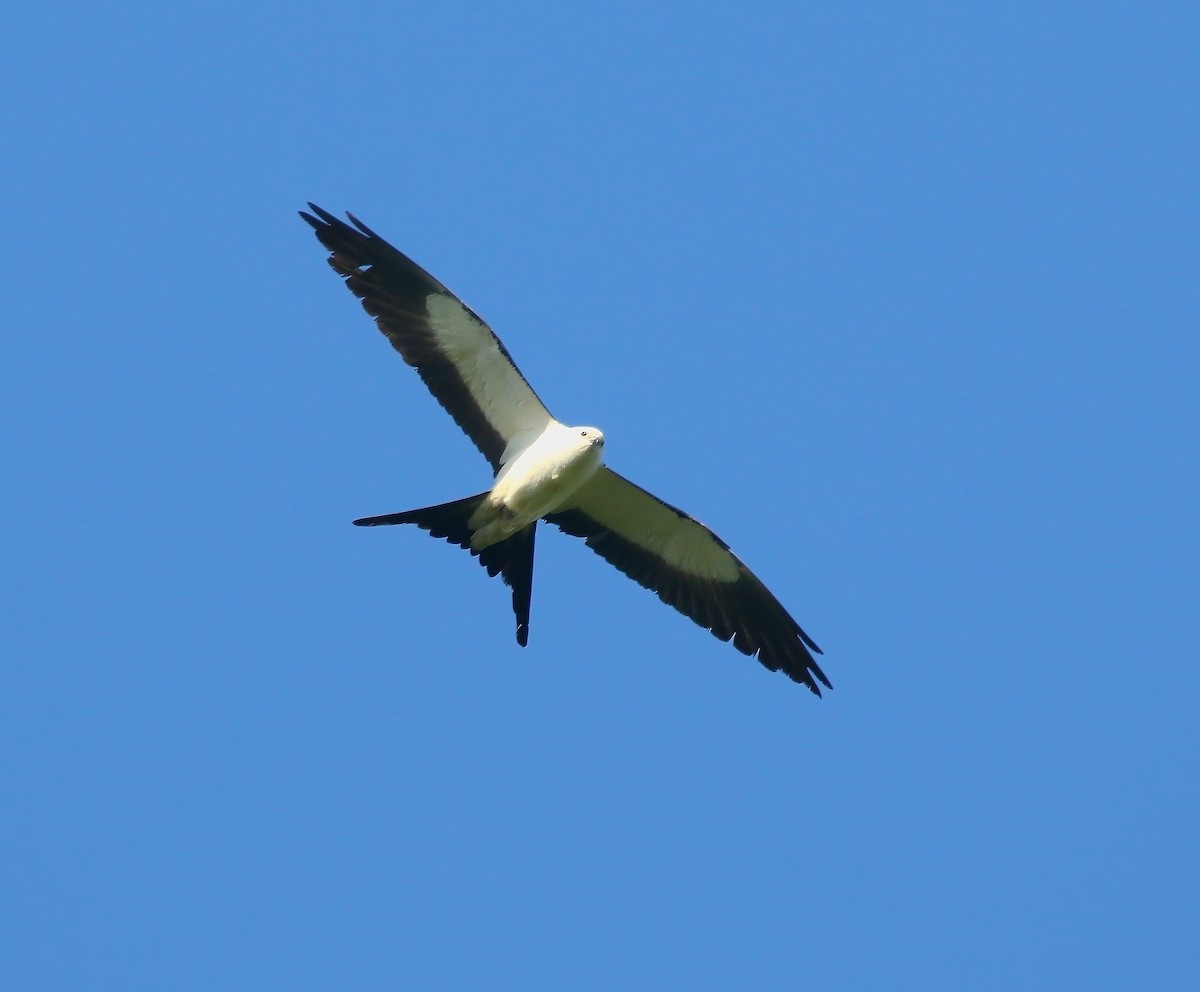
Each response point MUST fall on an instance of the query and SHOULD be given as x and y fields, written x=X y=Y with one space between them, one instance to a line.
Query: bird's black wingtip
x=362 y=227
x=807 y=673
x=322 y=219
x=523 y=634
x=325 y=223
x=815 y=670
x=806 y=679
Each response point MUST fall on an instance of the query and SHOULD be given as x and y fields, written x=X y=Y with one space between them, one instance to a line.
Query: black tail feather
x=448 y=520
x=511 y=559
x=518 y=575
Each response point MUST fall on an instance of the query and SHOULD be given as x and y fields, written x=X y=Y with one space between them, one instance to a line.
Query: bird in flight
x=545 y=470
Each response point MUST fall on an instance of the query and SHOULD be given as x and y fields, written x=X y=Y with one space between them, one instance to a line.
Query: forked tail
x=511 y=559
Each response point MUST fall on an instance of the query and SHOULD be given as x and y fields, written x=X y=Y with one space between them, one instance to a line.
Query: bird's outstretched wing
x=691 y=569
x=461 y=360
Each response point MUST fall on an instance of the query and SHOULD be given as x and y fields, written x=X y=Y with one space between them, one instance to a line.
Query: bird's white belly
x=540 y=480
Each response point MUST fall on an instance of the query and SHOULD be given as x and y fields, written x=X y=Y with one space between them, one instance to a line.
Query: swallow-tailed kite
x=545 y=470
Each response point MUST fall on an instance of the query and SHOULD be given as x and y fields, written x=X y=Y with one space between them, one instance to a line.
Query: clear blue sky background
x=901 y=299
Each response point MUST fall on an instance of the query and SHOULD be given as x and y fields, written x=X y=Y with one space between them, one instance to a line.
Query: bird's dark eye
x=583 y=433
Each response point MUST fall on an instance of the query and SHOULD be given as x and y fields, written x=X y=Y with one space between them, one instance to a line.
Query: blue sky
x=900 y=299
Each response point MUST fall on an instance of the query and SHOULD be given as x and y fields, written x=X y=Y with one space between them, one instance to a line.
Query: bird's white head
x=592 y=436
x=588 y=444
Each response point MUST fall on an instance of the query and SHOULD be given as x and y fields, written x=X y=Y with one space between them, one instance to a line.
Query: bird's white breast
x=543 y=477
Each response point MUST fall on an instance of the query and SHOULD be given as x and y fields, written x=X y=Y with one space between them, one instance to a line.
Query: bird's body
x=546 y=470
x=536 y=480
